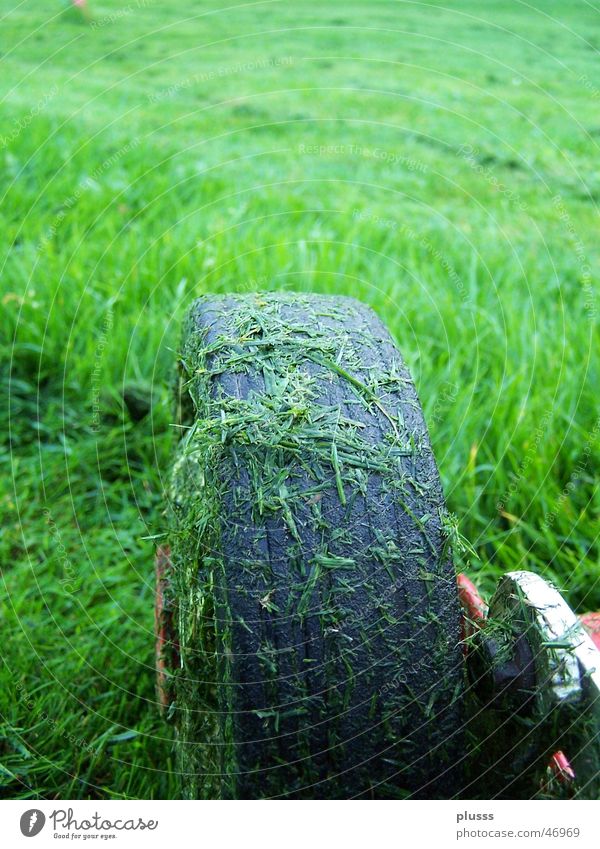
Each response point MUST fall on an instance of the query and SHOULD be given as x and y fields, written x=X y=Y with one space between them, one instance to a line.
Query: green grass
x=439 y=164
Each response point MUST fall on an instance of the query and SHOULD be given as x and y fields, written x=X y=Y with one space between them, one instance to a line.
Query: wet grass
x=440 y=165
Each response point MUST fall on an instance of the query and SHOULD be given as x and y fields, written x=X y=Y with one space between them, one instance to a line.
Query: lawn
x=439 y=163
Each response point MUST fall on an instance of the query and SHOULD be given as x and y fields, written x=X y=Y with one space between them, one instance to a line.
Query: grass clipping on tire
x=317 y=615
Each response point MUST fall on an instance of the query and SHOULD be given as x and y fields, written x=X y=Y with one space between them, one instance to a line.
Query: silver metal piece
x=562 y=643
x=567 y=663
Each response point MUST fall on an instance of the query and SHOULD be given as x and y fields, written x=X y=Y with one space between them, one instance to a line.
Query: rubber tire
x=358 y=693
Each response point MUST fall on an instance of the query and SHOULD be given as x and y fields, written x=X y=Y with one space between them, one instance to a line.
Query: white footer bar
x=300 y=825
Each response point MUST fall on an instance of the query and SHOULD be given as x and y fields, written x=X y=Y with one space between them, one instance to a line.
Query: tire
x=318 y=616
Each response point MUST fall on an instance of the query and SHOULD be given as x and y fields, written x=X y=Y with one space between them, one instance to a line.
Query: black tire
x=319 y=622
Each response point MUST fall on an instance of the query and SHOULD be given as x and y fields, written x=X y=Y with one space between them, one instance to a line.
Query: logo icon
x=32 y=822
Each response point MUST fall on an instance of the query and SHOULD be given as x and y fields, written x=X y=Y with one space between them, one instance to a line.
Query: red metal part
x=472 y=603
x=560 y=768
x=167 y=647
x=591 y=623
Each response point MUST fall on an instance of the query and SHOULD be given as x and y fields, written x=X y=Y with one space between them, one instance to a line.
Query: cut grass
x=438 y=164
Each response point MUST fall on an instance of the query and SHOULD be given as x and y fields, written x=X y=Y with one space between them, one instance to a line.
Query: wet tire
x=317 y=613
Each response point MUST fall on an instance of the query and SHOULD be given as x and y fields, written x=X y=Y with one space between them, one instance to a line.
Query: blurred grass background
x=438 y=163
